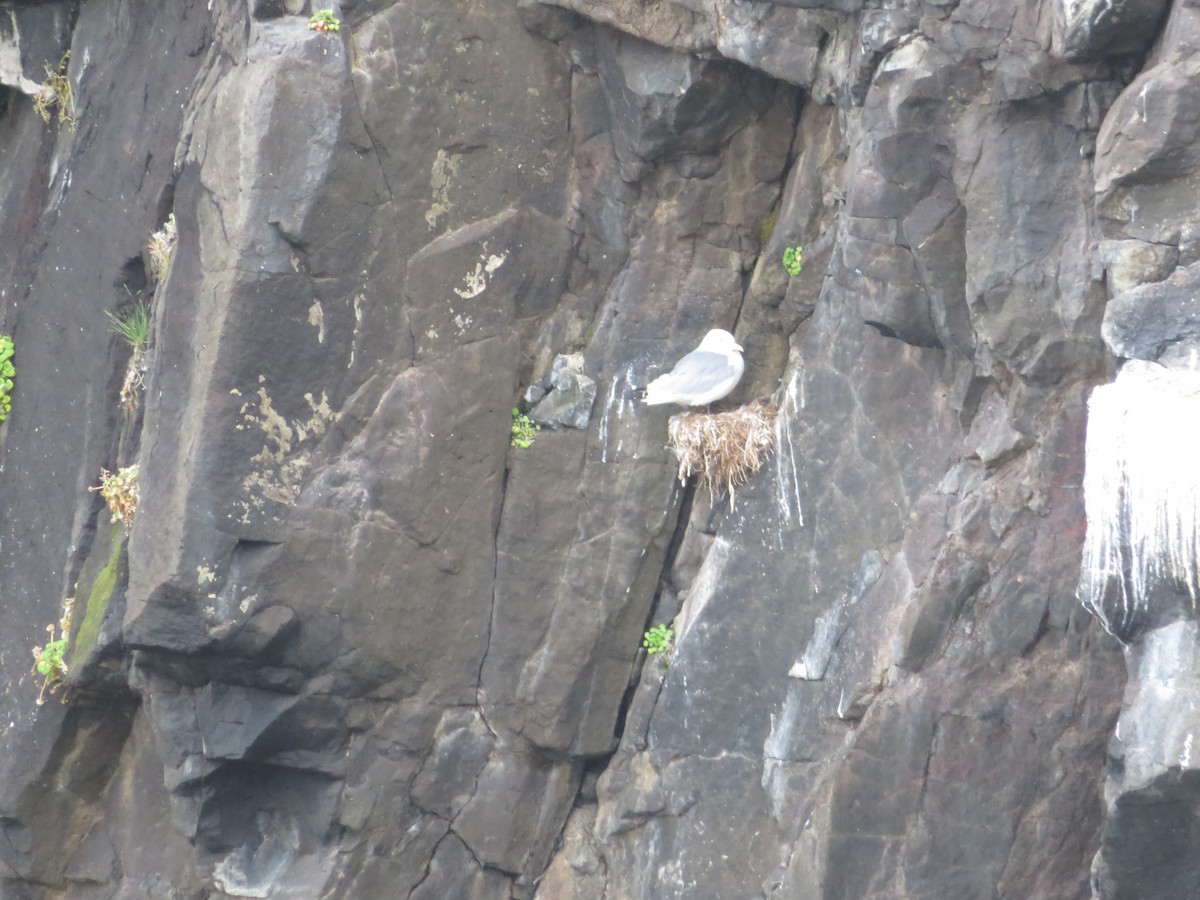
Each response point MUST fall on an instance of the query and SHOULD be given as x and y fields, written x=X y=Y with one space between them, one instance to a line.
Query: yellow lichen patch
x=279 y=433
x=316 y=318
x=723 y=449
x=323 y=414
x=441 y=174
x=476 y=282
x=280 y=466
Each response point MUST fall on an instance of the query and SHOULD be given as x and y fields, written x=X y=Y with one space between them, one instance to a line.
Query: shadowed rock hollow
x=358 y=645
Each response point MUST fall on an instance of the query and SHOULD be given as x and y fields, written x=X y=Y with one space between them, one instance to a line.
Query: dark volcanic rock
x=1159 y=321
x=356 y=644
x=1153 y=809
x=570 y=396
x=1087 y=27
x=664 y=103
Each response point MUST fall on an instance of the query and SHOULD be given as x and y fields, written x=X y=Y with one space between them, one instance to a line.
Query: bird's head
x=720 y=341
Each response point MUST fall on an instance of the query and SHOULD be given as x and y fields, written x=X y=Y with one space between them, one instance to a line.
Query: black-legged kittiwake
x=706 y=374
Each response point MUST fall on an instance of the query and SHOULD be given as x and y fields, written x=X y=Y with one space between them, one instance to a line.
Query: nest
x=724 y=449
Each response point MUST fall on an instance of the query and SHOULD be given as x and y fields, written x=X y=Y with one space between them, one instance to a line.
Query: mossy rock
x=89 y=613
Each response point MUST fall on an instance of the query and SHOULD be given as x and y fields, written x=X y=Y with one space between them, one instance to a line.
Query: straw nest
x=723 y=449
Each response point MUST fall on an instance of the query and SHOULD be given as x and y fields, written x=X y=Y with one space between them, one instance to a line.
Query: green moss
x=98 y=599
x=766 y=227
x=583 y=340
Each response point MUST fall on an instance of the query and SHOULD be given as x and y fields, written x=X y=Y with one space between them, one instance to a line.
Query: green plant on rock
x=160 y=247
x=658 y=639
x=120 y=492
x=325 y=20
x=48 y=659
x=56 y=96
x=523 y=429
x=134 y=327
x=792 y=260
x=7 y=374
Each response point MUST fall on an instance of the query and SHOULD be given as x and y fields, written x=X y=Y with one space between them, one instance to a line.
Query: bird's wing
x=701 y=369
x=697 y=373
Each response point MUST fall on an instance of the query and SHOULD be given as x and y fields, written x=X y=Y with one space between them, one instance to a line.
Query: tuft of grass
x=723 y=449
x=7 y=373
x=524 y=429
x=160 y=247
x=57 y=97
x=120 y=492
x=133 y=326
x=48 y=659
x=325 y=20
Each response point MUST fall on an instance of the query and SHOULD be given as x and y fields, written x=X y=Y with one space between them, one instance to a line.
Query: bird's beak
x=737 y=347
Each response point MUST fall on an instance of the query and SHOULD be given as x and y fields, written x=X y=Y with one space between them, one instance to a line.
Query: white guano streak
x=787 y=473
x=1141 y=489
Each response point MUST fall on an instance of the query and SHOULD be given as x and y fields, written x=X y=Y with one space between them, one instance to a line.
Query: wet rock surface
x=356 y=644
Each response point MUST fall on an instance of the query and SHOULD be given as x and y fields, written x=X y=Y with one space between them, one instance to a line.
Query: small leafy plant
x=523 y=429
x=7 y=374
x=120 y=492
x=48 y=659
x=658 y=639
x=134 y=327
x=160 y=247
x=56 y=96
x=325 y=20
x=792 y=260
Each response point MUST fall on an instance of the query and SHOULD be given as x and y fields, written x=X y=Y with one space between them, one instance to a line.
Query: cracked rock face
x=356 y=644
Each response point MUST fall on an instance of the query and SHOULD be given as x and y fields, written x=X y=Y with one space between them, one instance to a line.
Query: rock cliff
x=358 y=644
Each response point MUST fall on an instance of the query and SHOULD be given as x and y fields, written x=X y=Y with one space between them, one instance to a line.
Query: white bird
x=706 y=374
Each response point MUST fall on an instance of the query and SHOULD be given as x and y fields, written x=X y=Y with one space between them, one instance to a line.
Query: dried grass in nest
x=724 y=449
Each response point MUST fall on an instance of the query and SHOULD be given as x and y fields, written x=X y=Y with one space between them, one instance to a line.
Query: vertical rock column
x=1139 y=569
